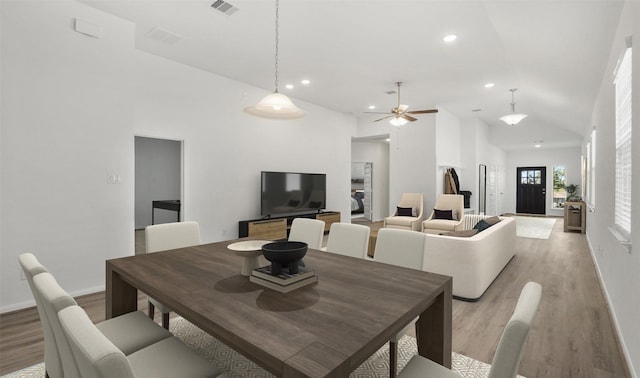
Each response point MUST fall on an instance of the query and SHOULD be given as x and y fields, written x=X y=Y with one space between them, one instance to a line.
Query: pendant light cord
x=277 y=42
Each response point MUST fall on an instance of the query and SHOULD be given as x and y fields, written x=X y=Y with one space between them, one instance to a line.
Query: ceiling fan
x=399 y=115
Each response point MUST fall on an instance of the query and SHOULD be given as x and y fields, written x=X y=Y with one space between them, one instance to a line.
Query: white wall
x=71 y=107
x=541 y=157
x=412 y=158
x=376 y=153
x=619 y=270
x=67 y=122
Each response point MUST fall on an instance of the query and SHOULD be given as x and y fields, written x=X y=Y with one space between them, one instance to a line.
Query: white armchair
x=438 y=222
x=409 y=213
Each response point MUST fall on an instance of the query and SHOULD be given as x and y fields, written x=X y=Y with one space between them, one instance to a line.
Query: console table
x=277 y=228
x=173 y=205
x=574 y=216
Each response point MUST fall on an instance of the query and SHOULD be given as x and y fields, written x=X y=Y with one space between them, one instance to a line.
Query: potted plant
x=571 y=192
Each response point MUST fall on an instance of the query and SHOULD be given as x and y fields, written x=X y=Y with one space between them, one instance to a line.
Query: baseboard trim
x=612 y=314
x=32 y=303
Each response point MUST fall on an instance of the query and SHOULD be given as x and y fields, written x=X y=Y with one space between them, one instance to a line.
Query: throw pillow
x=481 y=225
x=461 y=234
x=492 y=220
x=454 y=214
x=405 y=212
x=442 y=214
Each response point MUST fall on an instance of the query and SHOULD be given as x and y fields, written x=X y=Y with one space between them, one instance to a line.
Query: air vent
x=224 y=7
x=164 y=36
x=390 y=92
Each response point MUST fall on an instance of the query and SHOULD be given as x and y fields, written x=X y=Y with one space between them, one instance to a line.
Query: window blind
x=623 y=144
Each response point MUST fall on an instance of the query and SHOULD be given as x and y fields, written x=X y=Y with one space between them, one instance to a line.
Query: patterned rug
x=237 y=366
x=534 y=227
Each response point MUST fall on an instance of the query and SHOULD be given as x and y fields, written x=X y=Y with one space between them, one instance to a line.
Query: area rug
x=237 y=366
x=534 y=227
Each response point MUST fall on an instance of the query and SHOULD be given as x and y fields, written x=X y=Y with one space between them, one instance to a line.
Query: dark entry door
x=532 y=190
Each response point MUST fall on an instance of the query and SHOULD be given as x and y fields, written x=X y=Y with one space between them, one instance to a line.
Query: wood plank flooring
x=572 y=334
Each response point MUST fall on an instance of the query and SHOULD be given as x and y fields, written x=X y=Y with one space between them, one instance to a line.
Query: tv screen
x=286 y=192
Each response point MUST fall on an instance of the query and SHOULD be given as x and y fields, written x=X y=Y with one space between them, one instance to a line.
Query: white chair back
x=54 y=299
x=310 y=231
x=32 y=267
x=451 y=202
x=400 y=247
x=413 y=200
x=166 y=236
x=95 y=354
x=348 y=239
x=511 y=346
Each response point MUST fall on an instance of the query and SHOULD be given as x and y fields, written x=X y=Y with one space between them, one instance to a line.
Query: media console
x=277 y=228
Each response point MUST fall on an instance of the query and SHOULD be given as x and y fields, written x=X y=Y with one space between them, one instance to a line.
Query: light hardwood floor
x=572 y=335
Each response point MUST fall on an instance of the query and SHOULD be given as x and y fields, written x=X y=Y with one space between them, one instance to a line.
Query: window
x=559 y=183
x=623 y=145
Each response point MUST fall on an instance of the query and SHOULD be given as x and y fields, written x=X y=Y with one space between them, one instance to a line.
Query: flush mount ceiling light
x=450 y=38
x=513 y=118
x=276 y=105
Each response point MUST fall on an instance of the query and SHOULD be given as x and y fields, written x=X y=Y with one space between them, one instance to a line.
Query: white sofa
x=473 y=262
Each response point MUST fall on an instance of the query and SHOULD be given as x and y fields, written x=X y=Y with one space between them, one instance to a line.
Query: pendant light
x=276 y=105
x=513 y=118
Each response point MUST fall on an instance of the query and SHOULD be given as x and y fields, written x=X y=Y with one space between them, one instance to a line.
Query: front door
x=532 y=190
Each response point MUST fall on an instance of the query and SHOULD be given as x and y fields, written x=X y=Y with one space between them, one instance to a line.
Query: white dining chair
x=401 y=248
x=310 y=231
x=506 y=360
x=96 y=356
x=348 y=239
x=164 y=237
x=129 y=332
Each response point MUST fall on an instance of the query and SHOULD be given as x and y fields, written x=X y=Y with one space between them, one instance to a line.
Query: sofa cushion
x=461 y=234
x=443 y=214
x=400 y=221
x=492 y=220
x=481 y=225
x=405 y=212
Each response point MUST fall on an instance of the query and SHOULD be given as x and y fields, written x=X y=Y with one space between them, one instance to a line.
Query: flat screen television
x=287 y=192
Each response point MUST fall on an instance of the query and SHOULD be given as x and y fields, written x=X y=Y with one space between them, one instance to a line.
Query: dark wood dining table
x=326 y=329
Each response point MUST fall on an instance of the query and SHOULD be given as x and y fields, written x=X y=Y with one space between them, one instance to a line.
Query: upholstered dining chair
x=402 y=248
x=447 y=215
x=129 y=332
x=310 y=231
x=510 y=347
x=409 y=213
x=163 y=237
x=96 y=356
x=348 y=239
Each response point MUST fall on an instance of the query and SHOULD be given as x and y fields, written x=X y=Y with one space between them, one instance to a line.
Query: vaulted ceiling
x=353 y=51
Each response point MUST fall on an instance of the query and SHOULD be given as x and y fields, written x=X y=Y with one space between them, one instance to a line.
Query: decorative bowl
x=284 y=254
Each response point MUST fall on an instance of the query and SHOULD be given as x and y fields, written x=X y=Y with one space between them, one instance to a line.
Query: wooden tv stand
x=277 y=228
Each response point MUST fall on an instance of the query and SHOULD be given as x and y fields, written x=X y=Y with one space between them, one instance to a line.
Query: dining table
x=326 y=329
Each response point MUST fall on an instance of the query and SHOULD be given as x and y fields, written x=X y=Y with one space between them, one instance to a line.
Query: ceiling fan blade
x=423 y=111
x=408 y=117
x=402 y=108
x=383 y=118
x=377 y=112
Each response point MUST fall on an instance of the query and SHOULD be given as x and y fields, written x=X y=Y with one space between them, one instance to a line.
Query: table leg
x=433 y=329
x=120 y=297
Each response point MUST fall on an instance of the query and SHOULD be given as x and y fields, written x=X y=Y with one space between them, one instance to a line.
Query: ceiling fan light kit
x=398 y=121
x=513 y=118
x=276 y=105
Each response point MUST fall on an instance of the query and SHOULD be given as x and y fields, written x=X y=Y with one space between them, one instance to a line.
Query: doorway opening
x=531 y=190
x=158 y=183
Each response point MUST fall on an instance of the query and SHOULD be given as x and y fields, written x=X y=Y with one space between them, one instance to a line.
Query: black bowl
x=284 y=254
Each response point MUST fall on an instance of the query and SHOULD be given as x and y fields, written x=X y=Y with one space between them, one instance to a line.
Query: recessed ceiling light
x=489 y=85
x=388 y=140
x=305 y=82
x=538 y=144
x=371 y=107
x=289 y=86
x=450 y=38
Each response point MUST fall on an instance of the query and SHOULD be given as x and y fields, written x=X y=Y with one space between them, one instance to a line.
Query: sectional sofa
x=473 y=262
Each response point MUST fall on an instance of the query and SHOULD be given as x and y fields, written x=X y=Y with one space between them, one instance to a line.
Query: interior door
x=531 y=190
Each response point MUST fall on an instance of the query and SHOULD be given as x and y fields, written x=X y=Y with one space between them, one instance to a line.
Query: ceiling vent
x=164 y=36
x=224 y=7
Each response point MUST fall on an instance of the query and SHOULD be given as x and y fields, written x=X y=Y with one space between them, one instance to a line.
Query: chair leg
x=165 y=320
x=393 y=358
x=151 y=309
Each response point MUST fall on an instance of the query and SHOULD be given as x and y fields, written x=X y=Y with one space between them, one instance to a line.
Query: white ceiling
x=554 y=52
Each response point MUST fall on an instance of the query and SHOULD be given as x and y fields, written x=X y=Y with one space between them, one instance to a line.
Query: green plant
x=571 y=192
